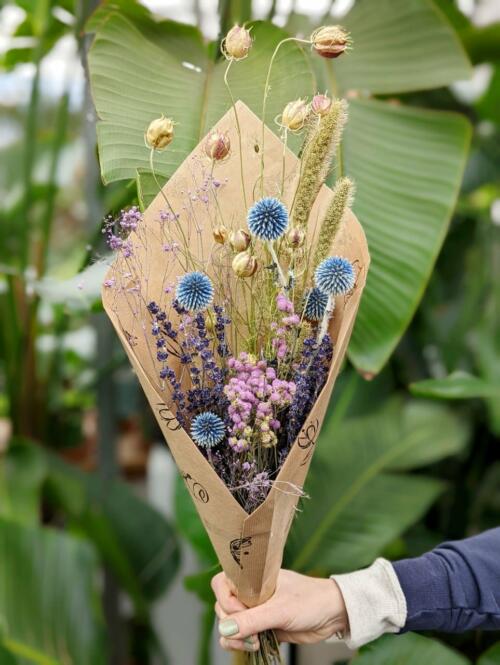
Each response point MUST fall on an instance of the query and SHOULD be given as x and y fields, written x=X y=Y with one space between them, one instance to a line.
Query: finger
x=250 y=622
x=221 y=615
x=248 y=644
x=217 y=581
x=219 y=611
x=284 y=636
x=224 y=593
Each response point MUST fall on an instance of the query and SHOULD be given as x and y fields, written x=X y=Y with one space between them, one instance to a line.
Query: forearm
x=454 y=588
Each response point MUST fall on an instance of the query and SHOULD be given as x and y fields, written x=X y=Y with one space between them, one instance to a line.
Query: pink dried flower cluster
x=117 y=244
x=117 y=230
x=168 y=216
x=255 y=395
x=282 y=330
x=171 y=246
x=129 y=219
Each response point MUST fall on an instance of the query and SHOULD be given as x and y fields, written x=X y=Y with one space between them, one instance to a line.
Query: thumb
x=249 y=622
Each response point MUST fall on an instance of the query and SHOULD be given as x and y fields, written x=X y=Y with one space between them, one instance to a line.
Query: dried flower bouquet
x=234 y=295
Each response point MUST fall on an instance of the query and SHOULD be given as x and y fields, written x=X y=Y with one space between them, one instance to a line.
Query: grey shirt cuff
x=374 y=601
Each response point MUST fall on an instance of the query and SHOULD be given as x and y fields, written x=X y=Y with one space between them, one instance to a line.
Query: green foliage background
x=405 y=460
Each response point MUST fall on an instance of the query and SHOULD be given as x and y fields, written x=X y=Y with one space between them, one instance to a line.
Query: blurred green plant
x=410 y=649
x=50 y=596
x=413 y=649
x=491 y=656
x=360 y=500
x=407 y=157
x=105 y=522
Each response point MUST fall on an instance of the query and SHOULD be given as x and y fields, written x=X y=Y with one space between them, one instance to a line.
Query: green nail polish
x=228 y=628
x=250 y=645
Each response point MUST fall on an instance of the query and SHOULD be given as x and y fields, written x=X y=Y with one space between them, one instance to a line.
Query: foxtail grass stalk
x=341 y=200
x=317 y=159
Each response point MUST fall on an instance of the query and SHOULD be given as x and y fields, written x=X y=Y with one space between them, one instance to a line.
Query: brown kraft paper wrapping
x=249 y=547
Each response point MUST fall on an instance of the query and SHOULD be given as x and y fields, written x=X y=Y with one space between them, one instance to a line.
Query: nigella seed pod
x=295 y=238
x=330 y=41
x=244 y=265
x=294 y=115
x=320 y=104
x=237 y=43
x=160 y=133
x=239 y=240
x=220 y=234
x=217 y=146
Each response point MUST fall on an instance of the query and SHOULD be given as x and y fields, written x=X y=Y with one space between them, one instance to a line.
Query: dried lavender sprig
x=310 y=377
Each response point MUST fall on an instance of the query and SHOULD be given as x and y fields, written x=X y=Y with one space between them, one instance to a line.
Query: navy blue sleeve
x=455 y=587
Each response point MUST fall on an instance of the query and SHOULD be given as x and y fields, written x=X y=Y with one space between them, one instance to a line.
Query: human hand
x=302 y=610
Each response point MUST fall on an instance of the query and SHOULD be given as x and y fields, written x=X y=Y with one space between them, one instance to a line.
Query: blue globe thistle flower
x=315 y=302
x=207 y=429
x=267 y=219
x=194 y=291
x=334 y=276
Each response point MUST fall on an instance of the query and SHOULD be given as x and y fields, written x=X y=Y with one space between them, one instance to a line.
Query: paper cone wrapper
x=249 y=546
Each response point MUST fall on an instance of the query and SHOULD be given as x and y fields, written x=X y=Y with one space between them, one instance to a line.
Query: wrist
x=336 y=609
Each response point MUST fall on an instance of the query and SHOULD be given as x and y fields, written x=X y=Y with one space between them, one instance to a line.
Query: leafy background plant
x=405 y=460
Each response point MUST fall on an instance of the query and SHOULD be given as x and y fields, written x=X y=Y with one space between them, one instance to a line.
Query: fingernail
x=251 y=643
x=228 y=628
x=250 y=646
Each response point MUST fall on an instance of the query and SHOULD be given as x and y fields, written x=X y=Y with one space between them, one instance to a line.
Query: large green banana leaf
x=140 y=70
x=410 y=649
x=400 y=47
x=49 y=608
x=358 y=503
x=457 y=385
x=407 y=162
